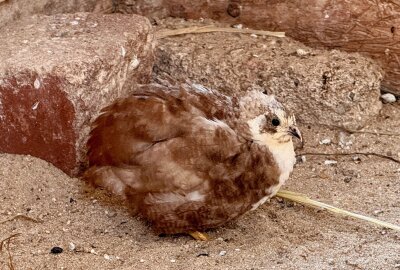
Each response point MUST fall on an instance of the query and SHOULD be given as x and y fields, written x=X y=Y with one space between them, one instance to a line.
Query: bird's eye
x=275 y=122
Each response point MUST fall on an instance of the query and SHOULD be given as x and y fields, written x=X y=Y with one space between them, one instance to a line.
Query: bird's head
x=269 y=122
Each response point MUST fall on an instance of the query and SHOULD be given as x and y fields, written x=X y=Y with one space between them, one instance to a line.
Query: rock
x=56 y=250
x=330 y=162
x=222 y=253
x=14 y=10
x=71 y=246
x=370 y=27
x=324 y=87
x=57 y=72
x=326 y=141
x=388 y=98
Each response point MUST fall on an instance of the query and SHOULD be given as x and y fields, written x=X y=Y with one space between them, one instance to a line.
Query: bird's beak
x=295 y=132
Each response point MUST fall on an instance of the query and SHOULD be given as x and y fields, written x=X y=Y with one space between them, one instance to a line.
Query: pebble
x=253 y=35
x=204 y=253
x=330 y=162
x=238 y=26
x=141 y=260
x=347 y=179
x=345 y=141
x=173 y=260
x=56 y=250
x=107 y=257
x=326 y=141
x=388 y=98
x=222 y=253
x=71 y=246
x=301 y=52
x=377 y=212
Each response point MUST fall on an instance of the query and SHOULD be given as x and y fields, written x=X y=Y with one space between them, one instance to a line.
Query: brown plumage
x=185 y=157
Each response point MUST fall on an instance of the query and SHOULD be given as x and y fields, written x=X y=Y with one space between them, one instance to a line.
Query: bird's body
x=187 y=158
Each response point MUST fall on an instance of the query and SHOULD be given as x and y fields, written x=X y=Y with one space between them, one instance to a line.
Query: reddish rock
x=57 y=72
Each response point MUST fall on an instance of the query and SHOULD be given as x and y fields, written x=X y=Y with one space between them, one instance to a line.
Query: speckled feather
x=182 y=156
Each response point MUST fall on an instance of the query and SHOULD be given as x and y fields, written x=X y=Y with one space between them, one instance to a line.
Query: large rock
x=57 y=72
x=12 y=10
x=365 y=26
x=326 y=87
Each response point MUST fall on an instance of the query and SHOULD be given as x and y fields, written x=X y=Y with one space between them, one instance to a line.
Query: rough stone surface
x=57 y=72
x=11 y=10
x=365 y=26
x=327 y=87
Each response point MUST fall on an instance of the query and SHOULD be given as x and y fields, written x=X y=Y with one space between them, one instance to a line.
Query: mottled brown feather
x=164 y=147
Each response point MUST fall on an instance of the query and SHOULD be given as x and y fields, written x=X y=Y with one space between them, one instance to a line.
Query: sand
x=95 y=230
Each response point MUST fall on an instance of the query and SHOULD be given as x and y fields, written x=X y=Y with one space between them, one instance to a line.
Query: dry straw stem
x=6 y=243
x=21 y=216
x=303 y=199
x=211 y=28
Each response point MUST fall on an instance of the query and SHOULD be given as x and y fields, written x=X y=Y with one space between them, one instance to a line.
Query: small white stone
x=74 y=23
x=237 y=249
x=330 y=162
x=326 y=141
x=141 y=260
x=173 y=260
x=36 y=83
x=238 y=26
x=253 y=35
x=301 y=52
x=388 y=98
x=53 y=199
x=107 y=257
x=303 y=159
x=222 y=253
x=71 y=246
x=93 y=251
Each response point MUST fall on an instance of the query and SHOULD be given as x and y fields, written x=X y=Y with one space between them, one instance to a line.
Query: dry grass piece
x=211 y=28
x=21 y=216
x=6 y=243
x=303 y=199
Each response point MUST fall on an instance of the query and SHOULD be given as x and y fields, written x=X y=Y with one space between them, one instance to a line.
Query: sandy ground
x=278 y=235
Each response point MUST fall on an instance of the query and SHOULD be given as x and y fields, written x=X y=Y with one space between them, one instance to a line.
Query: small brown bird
x=187 y=158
